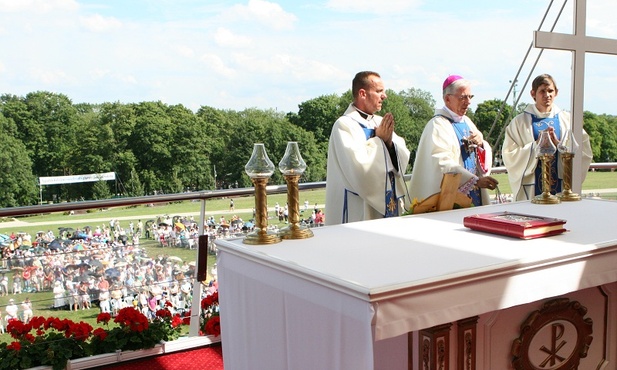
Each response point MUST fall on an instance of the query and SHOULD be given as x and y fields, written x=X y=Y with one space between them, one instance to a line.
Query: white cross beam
x=579 y=44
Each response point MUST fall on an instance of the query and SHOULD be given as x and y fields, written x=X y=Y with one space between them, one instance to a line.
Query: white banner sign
x=92 y=177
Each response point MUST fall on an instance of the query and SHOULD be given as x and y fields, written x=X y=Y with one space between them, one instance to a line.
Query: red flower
x=131 y=318
x=59 y=325
x=15 y=346
x=17 y=329
x=103 y=317
x=37 y=322
x=162 y=313
x=213 y=326
x=29 y=337
x=80 y=331
x=168 y=304
x=210 y=300
x=176 y=321
x=100 y=333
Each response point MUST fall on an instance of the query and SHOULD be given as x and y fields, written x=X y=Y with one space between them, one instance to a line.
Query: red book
x=515 y=224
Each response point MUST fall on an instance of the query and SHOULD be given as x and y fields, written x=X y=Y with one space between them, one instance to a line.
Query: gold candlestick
x=567 y=194
x=546 y=197
x=292 y=166
x=567 y=148
x=545 y=152
x=260 y=168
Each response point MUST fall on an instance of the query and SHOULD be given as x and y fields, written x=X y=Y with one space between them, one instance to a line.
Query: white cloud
x=217 y=65
x=266 y=13
x=298 y=67
x=50 y=77
x=37 y=6
x=129 y=79
x=372 y=6
x=185 y=51
x=98 y=23
x=99 y=73
x=225 y=37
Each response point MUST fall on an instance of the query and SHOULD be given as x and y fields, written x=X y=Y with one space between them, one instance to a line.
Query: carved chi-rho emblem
x=555 y=337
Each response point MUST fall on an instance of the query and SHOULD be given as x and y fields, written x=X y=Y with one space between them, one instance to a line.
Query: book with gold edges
x=516 y=225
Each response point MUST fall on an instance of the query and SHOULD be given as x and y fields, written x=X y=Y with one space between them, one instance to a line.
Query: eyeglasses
x=463 y=97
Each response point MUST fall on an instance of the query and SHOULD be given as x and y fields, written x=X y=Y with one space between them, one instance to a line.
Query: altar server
x=523 y=131
x=366 y=158
x=451 y=142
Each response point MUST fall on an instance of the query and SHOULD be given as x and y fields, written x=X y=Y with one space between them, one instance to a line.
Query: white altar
x=375 y=294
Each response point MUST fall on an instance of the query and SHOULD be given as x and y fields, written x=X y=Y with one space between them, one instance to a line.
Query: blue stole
x=469 y=158
x=540 y=124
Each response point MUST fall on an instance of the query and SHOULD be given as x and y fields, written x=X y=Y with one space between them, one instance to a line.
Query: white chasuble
x=357 y=173
x=439 y=152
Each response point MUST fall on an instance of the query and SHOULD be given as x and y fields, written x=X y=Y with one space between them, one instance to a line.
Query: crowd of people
x=96 y=269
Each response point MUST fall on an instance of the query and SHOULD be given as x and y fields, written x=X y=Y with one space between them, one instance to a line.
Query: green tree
x=17 y=182
x=489 y=119
x=100 y=190
x=191 y=150
x=215 y=129
x=602 y=133
x=319 y=114
x=404 y=124
x=51 y=130
x=114 y=130
x=421 y=107
x=133 y=185
x=152 y=141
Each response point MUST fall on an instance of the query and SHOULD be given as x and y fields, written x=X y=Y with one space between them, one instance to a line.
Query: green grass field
x=42 y=301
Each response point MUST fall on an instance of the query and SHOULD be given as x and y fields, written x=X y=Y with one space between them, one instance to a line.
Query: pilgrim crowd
x=101 y=268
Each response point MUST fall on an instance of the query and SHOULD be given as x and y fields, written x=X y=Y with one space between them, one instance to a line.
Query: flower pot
x=93 y=361
x=107 y=358
x=131 y=355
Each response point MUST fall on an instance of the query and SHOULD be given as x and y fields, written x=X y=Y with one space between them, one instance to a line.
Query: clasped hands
x=552 y=135
x=385 y=129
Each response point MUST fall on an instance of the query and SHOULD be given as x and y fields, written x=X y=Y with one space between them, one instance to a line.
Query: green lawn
x=42 y=301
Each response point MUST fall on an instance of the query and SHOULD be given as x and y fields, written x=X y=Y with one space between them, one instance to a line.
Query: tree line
x=158 y=148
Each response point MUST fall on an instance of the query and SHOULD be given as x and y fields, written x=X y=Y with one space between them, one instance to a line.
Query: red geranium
x=103 y=317
x=210 y=300
x=176 y=321
x=213 y=326
x=29 y=337
x=131 y=318
x=162 y=313
x=210 y=322
x=100 y=333
x=17 y=329
x=14 y=346
x=80 y=331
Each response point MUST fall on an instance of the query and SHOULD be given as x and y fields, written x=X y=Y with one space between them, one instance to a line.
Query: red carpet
x=205 y=358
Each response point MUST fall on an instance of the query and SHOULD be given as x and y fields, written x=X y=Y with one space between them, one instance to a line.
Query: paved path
x=17 y=223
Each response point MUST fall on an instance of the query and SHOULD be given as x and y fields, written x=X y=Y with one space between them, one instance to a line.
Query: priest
x=522 y=132
x=366 y=158
x=451 y=142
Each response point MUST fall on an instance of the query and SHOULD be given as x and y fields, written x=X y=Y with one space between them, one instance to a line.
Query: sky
x=276 y=54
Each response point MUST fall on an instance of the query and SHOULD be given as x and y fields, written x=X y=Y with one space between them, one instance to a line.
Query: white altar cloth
x=324 y=302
